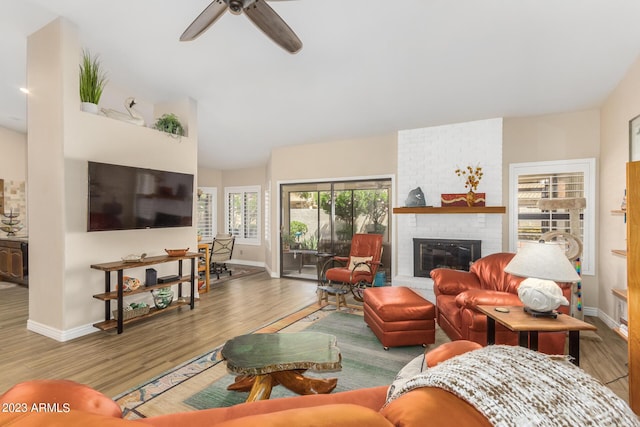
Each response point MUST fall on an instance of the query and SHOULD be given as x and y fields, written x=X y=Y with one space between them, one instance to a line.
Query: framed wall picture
x=634 y=139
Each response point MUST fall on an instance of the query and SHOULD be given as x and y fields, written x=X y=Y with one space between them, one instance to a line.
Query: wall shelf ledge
x=450 y=210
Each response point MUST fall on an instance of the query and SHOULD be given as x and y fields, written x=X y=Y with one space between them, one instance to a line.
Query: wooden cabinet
x=633 y=282
x=203 y=268
x=14 y=261
x=118 y=294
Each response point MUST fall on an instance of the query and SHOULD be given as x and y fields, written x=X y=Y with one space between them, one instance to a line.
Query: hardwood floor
x=114 y=363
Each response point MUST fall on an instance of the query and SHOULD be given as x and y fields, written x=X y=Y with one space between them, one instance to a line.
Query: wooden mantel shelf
x=450 y=210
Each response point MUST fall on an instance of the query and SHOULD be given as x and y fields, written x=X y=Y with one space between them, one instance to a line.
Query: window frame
x=588 y=168
x=213 y=220
x=244 y=190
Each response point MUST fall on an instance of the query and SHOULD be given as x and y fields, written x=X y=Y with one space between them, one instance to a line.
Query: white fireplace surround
x=427 y=158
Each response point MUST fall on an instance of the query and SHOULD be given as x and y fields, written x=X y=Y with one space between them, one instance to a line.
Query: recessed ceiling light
x=24 y=90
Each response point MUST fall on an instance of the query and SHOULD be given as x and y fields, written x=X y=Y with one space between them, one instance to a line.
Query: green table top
x=259 y=354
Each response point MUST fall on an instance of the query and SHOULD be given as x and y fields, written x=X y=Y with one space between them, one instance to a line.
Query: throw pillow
x=410 y=370
x=358 y=259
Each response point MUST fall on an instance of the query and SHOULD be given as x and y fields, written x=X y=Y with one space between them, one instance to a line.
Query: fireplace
x=443 y=253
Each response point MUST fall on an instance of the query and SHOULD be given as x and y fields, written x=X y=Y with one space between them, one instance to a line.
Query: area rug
x=364 y=363
x=237 y=271
x=202 y=383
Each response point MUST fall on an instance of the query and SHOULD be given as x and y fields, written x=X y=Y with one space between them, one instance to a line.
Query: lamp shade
x=542 y=261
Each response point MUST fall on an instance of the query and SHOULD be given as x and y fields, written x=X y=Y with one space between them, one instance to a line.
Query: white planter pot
x=89 y=107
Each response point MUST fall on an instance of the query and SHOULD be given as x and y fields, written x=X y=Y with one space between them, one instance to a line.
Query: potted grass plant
x=92 y=82
x=170 y=123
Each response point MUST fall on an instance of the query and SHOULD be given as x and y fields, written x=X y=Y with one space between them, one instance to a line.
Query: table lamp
x=543 y=264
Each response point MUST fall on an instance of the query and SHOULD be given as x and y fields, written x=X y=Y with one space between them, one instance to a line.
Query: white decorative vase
x=89 y=107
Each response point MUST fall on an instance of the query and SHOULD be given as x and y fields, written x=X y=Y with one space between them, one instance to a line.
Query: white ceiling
x=368 y=67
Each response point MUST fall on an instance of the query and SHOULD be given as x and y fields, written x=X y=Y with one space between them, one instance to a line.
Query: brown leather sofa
x=459 y=292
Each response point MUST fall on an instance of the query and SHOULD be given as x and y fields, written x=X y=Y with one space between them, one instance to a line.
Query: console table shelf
x=450 y=210
x=107 y=296
x=118 y=295
x=111 y=324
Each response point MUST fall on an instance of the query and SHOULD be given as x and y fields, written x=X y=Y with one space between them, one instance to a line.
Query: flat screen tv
x=127 y=198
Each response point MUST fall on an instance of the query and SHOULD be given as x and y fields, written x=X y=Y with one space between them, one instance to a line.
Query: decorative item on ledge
x=463 y=199
x=162 y=298
x=132 y=310
x=130 y=284
x=134 y=257
x=415 y=198
x=92 y=82
x=472 y=177
x=11 y=225
x=176 y=252
x=170 y=124
x=131 y=116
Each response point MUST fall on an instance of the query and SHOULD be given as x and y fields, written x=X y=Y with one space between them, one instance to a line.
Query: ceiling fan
x=258 y=11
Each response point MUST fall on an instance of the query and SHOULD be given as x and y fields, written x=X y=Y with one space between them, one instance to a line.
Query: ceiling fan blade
x=273 y=26
x=208 y=16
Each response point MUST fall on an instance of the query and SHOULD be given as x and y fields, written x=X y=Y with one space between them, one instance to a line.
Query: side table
x=528 y=327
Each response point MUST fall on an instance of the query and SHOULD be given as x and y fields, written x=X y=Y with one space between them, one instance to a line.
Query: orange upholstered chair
x=358 y=269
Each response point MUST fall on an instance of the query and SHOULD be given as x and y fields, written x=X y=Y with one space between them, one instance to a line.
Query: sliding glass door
x=319 y=219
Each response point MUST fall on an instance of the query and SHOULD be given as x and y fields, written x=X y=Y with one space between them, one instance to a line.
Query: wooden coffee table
x=528 y=327
x=266 y=360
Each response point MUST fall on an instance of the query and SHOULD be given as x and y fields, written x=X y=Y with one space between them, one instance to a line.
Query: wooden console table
x=119 y=294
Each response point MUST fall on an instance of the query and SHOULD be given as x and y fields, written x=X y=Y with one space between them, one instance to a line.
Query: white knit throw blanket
x=513 y=386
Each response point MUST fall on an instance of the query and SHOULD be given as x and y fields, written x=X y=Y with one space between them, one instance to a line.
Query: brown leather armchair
x=459 y=292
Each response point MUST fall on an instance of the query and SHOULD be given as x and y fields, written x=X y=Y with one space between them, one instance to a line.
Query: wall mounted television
x=128 y=198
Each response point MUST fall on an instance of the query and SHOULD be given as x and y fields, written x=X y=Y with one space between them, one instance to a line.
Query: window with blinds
x=530 y=183
x=533 y=221
x=206 y=207
x=243 y=214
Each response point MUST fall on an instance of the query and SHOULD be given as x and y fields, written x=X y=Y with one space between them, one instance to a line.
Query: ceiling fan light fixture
x=258 y=11
x=236 y=6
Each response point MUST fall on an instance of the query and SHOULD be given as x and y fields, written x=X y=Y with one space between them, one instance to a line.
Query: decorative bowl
x=162 y=298
x=176 y=252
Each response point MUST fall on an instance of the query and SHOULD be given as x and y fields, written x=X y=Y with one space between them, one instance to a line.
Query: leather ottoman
x=398 y=316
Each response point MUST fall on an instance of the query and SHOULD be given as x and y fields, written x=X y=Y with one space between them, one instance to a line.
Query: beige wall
x=621 y=106
x=13 y=160
x=252 y=254
x=209 y=177
x=61 y=139
x=574 y=135
x=249 y=254
x=344 y=159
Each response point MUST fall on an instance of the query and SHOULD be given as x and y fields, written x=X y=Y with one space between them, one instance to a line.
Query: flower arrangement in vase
x=472 y=177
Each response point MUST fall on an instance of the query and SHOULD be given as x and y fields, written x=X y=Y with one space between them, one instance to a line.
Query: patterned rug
x=237 y=271
x=201 y=383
